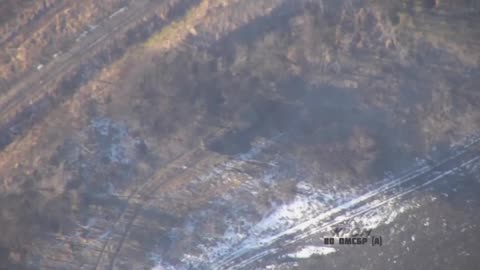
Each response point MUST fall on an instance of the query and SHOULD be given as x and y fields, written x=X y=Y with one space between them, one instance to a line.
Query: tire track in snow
x=249 y=252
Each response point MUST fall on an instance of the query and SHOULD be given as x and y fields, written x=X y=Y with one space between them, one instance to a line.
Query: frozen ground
x=293 y=227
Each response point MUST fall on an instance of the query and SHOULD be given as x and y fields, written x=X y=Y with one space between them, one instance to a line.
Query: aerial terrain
x=239 y=134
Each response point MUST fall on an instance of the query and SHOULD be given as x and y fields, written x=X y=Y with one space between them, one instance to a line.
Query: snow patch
x=115 y=140
x=310 y=251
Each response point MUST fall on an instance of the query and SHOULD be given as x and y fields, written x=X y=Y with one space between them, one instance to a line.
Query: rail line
x=37 y=85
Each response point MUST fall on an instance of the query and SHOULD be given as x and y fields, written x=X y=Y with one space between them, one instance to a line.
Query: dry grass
x=176 y=31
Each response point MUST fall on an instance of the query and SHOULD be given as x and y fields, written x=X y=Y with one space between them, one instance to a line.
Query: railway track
x=30 y=89
x=31 y=99
x=26 y=92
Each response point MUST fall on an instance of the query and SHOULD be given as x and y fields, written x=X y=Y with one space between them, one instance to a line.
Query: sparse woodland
x=362 y=88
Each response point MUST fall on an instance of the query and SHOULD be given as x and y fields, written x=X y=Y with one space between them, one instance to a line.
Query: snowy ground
x=284 y=229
